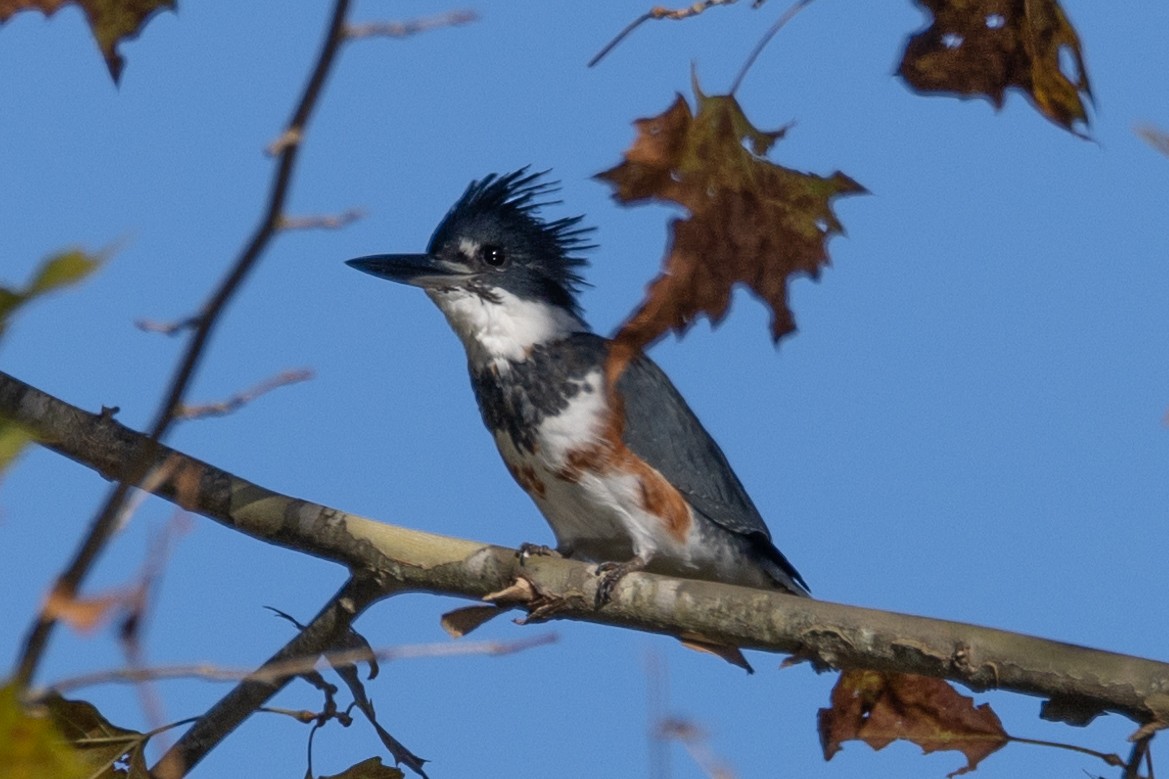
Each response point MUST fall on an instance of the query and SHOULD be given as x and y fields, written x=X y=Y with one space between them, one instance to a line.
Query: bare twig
x=330 y=624
x=240 y=399
x=1106 y=757
x=659 y=12
x=1140 y=754
x=138 y=616
x=104 y=521
x=327 y=221
x=796 y=7
x=167 y=328
x=411 y=27
x=696 y=743
x=293 y=666
x=1157 y=138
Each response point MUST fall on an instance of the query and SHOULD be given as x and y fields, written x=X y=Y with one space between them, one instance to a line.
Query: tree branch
x=105 y=519
x=320 y=635
x=1079 y=682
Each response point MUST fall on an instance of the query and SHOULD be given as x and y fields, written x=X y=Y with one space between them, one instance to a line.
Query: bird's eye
x=493 y=255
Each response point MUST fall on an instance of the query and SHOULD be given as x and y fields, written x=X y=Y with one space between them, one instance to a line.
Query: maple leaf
x=111 y=21
x=750 y=221
x=878 y=708
x=984 y=47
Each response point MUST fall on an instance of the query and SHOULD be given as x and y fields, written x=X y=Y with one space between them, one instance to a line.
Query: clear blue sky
x=969 y=424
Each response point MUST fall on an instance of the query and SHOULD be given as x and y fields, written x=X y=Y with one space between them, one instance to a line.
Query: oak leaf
x=750 y=221
x=878 y=708
x=984 y=47
x=110 y=21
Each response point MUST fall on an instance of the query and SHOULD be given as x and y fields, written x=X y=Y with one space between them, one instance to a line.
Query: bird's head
x=492 y=244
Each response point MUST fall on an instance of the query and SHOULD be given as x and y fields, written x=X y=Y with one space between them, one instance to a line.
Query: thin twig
x=411 y=27
x=798 y=6
x=240 y=399
x=104 y=521
x=326 y=221
x=1110 y=759
x=696 y=743
x=138 y=616
x=294 y=666
x=167 y=328
x=1140 y=754
x=659 y=13
x=323 y=631
x=1157 y=138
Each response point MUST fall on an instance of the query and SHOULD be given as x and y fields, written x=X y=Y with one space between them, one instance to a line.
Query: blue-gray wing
x=661 y=429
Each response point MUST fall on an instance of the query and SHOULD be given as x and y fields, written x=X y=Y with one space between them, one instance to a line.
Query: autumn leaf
x=111 y=21
x=750 y=221
x=462 y=621
x=878 y=708
x=84 y=614
x=373 y=768
x=984 y=47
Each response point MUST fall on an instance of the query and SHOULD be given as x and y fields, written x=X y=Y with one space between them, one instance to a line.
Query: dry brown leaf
x=750 y=221
x=878 y=708
x=370 y=768
x=984 y=47
x=519 y=591
x=732 y=654
x=83 y=614
x=110 y=21
x=460 y=622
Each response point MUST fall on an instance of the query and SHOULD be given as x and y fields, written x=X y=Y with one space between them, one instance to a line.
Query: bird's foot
x=527 y=550
x=611 y=573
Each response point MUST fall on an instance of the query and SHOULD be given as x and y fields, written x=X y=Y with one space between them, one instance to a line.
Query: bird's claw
x=527 y=550
x=610 y=574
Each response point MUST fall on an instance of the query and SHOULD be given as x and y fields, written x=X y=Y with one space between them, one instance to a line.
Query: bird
x=622 y=470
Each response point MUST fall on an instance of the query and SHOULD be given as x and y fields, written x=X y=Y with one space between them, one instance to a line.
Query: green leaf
x=61 y=270
x=13 y=439
x=30 y=743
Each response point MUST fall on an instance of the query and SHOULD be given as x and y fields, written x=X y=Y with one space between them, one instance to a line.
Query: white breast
x=598 y=515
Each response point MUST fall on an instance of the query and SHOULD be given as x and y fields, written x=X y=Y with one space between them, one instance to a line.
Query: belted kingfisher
x=626 y=476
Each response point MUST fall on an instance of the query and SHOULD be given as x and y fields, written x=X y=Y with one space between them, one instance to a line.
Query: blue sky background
x=970 y=423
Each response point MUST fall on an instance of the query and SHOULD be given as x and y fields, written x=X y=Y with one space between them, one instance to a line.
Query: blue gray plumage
x=629 y=478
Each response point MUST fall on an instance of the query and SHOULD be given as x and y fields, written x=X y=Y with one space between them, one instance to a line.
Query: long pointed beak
x=418 y=270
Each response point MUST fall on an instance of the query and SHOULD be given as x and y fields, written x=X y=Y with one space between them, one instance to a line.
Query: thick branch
x=1080 y=681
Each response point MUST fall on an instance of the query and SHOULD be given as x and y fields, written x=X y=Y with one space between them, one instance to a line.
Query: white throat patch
x=502 y=329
